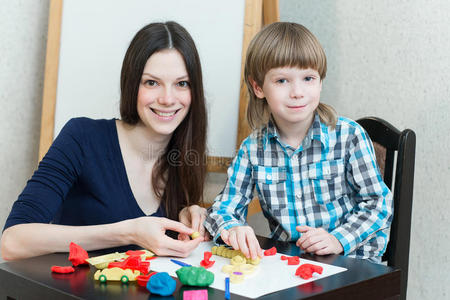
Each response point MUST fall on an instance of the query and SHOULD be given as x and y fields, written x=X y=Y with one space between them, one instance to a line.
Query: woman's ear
x=256 y=89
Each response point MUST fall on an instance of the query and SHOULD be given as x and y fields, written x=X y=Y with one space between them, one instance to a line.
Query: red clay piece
x=134 y=252
x=62 y=270
x=133 y=263
x=306 y=271
x=143 y=279
x=270 y=252
x=284 y=257
x=293 y=260
x=77 y=255
x=151 y=257
x=206 y=263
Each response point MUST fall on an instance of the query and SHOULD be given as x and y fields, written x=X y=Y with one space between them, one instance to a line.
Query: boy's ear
x=256 y=89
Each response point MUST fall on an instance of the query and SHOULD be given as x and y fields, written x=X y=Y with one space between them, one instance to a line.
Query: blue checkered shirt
x=331 y=181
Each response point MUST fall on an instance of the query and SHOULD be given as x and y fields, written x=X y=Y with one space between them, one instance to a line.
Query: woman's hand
x=193 y=216
x=149 y=232
x=318 y=241
x=242 y=238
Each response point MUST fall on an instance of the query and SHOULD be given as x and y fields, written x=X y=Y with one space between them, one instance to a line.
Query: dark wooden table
x=32 y=279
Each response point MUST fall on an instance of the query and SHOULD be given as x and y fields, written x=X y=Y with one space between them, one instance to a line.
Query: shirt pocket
x=271 y=186
x=327 y=179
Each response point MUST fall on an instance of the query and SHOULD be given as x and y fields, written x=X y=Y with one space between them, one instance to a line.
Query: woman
x=109 y=183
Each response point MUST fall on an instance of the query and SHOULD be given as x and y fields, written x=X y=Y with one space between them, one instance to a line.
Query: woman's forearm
x=28 y=240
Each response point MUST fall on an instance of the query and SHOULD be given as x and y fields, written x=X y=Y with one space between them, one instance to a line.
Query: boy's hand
x=242 y=238
x=318 y=241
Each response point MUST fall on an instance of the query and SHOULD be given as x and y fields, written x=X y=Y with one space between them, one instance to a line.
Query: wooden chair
x=387 y=141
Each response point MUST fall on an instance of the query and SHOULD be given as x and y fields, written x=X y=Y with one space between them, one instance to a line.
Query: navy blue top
x=81 y=180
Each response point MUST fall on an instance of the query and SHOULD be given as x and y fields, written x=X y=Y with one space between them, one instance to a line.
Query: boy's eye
x=309 y=78
x=282 y=80
x=184 y=83
x=150 y=83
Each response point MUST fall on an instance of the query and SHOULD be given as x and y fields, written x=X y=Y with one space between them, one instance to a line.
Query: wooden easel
x=257 y=13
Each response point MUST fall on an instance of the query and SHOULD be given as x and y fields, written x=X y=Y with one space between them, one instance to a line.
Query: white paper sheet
x=254 y=285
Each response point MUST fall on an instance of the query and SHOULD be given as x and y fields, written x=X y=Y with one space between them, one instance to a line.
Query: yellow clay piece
x=254 y=261
x=230 y=253
x=236 y=278
x=195 y=235
x=238 y=260
x=228 y=269
x=246 y=269
x=102 y=262
x=147 y=254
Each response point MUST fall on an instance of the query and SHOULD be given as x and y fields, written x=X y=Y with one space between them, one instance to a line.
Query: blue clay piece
x=161 y=284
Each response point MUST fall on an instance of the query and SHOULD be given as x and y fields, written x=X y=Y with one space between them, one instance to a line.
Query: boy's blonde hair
x=283 y=44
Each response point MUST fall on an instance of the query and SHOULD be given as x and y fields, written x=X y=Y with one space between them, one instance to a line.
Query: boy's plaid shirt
x=331 y=181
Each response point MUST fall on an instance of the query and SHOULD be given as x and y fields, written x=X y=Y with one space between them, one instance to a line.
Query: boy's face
x=292 y=94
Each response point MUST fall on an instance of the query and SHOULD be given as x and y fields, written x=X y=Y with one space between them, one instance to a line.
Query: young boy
x=315 y=174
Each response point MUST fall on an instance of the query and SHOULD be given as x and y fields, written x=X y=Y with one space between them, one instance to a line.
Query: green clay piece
x=196 y=276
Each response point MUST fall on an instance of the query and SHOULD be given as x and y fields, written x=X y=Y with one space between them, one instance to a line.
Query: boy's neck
x=293 y=134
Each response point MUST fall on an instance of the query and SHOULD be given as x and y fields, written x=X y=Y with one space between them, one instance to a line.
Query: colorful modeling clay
x=62 y=270
x=195 y=295
x=101 y=262
x=196 y=276
x=180 y=263
x=270 y=252
x=236 y=277
x=195 y=235
x=77 y=255
x=227 y=288
x=143 y=279
x=306 y=271
x=161 y=284
x=243 y=268
x=133 y=263
x=230 y=253
x=206 y=263
x=293 y=260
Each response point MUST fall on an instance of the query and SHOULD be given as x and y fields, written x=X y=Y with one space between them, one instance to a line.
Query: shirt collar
x=318 y=131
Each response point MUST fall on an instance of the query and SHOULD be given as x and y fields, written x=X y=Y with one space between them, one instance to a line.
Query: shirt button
x=269 y=177
x=298 y=196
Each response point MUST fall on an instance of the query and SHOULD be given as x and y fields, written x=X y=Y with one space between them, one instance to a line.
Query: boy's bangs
x=296 y=53
x=290 y=49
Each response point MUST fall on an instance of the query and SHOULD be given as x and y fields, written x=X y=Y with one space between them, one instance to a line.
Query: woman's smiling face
x=164 y=95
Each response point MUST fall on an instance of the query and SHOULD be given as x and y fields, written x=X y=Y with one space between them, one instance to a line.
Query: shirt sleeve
x=230 y=206
x=373 y=200
x=51 y=182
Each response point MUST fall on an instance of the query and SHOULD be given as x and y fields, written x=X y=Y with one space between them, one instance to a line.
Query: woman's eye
x=151 y=83
x=184 y=83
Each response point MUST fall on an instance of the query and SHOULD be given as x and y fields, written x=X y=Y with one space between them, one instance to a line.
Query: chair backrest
x=387 y=141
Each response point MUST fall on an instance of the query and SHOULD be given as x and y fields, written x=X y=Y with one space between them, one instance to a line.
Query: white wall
x=23 y=35
x=391 y=59
x=386 y=58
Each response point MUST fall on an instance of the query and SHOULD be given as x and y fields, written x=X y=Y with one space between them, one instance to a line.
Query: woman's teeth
x=164 y=114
